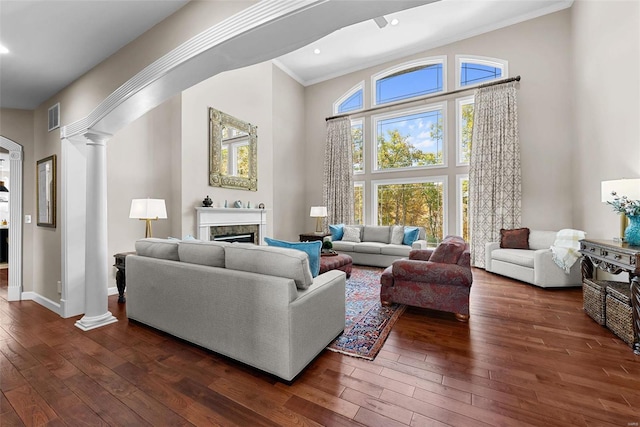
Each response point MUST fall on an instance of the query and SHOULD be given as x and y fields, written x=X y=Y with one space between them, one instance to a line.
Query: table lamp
x=318 y=212
x=148 y=210
x=622 y=187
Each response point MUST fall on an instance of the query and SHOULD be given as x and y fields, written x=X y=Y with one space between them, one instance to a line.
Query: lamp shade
x=318 y=211
x=622 y=187
x=148 y=209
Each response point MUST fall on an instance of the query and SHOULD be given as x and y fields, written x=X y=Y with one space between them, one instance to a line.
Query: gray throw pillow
x=351 y=234
x=397 y=234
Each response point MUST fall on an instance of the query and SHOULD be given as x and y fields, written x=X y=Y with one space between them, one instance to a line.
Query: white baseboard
x=113 y=290
x=43 y=301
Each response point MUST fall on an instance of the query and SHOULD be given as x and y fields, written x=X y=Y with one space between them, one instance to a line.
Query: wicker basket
x=593 y=297
x=618 y=308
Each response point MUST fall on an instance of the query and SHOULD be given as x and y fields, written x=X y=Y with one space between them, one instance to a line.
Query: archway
x=14 y=292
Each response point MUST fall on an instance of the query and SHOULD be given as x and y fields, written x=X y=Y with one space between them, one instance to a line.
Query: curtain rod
x=380 y=107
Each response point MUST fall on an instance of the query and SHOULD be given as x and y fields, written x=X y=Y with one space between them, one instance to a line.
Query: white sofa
x=375 y=248
x=534 y=265
x=243 y=301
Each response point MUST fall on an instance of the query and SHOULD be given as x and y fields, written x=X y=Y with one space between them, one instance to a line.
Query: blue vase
x=632 y=232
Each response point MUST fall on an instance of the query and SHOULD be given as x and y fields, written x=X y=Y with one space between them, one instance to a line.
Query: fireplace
x=231 y=224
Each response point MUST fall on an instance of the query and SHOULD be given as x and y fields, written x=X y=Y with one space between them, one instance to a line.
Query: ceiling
x=52 y=43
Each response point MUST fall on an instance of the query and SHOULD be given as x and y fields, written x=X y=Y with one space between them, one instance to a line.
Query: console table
x=615 y=258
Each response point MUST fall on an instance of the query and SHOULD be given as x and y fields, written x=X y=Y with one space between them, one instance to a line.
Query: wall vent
x=54 y=117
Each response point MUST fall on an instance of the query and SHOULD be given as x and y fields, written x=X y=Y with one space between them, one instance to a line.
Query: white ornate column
x=96 y=249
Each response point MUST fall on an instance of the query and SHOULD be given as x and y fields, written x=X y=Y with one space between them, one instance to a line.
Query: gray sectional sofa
x=256 y=304
x=375 y=247
x=534 y=265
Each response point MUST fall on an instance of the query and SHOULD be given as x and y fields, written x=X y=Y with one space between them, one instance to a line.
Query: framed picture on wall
x=46 y=191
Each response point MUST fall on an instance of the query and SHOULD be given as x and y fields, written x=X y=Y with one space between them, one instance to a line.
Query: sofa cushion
x=376 y=233
x=158 y=248
x=203 y=253
x=411 y=234
x=351 y=234
x=270 y=260
x=517 y=238
x=539 y=239
x=397 y=234
x=336 y=230
x=370 y=247
x=519 y=257
x=342 y=245
x=395 y=250
x=449 y=250
x=312 y=249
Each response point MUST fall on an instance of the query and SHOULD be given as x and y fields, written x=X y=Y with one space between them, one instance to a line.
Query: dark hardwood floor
x=528 y=356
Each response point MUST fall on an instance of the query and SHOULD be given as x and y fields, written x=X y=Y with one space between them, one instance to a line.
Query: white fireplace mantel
x=213 y=217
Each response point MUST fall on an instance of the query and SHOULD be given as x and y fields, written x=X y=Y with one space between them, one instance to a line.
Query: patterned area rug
x=368 y=322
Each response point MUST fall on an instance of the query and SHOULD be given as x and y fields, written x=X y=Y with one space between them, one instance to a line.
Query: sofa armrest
x=421 y=254
x=488 y=248
x=431 y=272
x=419 y=244
x=547 y=273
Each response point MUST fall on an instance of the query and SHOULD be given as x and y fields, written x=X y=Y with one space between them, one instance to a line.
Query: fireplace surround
x=229 y=221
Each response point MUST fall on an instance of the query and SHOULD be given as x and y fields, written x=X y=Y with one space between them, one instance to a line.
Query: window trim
x=364 y=199
x=347 y=95
x=364 y=145
x=481 y=60
x=459 y=178
x=441 y=59
x=442 y=106
x=444 y=179
x=465 y=100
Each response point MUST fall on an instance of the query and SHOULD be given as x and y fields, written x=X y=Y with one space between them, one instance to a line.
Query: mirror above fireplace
x=233 y=152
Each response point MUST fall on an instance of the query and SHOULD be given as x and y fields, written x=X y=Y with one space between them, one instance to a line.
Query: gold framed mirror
x=233 y=152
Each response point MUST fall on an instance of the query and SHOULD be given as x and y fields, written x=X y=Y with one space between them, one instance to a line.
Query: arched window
x=353 y=100
x=474 y=70
x=409 y=80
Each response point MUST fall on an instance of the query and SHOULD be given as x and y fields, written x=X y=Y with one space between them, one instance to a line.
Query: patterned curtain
x=494 y=169
x=338 y=172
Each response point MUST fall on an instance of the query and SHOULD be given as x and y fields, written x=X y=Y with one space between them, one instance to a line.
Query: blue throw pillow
x=411 y=234
x=310 y=248
x=337 y=231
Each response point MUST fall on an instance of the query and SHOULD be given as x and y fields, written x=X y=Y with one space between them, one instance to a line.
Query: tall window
x=357 y=138
x=410 y=139
x=410 y=80
x=418 y=201
x=474 y=70
x=353 y=100
x=462 y=217
x=358 y=201
x=464 y=126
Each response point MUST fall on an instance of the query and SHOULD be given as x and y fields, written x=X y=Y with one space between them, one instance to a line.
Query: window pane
x=354 y=102
x=358 y=148
x=409 y=83
x=472 y=73
x=466 y=128
x=419 y=204
x=242 y=161
x=410 y=141
x=464 y=205
x=224 y=160
x=358 y=197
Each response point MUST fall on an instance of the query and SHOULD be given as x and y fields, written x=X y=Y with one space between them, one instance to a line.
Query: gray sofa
x=375 y=247
x=534 y=265
x=256 y=304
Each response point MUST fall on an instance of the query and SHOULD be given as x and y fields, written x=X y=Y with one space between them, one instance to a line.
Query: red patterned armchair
x=438 y=279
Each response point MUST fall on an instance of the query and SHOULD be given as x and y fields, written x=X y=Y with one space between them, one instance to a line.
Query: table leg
x=120 y=283
x=635 y=312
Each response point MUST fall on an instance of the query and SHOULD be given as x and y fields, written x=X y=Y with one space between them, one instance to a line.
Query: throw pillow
x=410 y=235
x=336 y=230
x=351 y=234
x=517 y=238
x=448 y=251
x=397 y=234
x=311 y=248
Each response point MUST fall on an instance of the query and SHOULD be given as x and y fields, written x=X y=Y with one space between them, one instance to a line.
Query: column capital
x=90 y=137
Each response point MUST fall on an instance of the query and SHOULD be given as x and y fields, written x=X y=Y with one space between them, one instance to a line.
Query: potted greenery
x=327 y=247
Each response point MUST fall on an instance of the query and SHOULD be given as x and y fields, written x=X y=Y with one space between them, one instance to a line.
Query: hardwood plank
x=30 y=406
x=318 y=413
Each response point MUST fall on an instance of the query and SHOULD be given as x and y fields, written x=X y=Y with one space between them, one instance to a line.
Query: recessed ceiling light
x=3 y=49
x=394 y=21
x=316 y=51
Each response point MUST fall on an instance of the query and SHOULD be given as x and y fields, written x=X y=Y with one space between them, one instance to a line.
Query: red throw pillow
x=517 y=238
x=448 y=251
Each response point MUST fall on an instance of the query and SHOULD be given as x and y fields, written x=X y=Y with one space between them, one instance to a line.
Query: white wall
x=539 y=51
x=605 y=42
